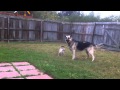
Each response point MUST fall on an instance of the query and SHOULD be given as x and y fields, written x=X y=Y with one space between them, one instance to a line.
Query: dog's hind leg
x=59 y=54
x=93 y=57
x=73 y=54
x=87 y=52
x=91 y=52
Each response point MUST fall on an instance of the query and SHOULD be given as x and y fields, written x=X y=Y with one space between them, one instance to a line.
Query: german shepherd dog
x=77 y=45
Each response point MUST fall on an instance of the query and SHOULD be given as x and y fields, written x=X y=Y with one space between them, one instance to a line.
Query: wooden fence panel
x=99 y=34
x=31 y=28
x=77 y=30
x=25 y=31
x=2 y=28
x=50 y=31
x=37 y=30
x=60 y=31
x=66 y=30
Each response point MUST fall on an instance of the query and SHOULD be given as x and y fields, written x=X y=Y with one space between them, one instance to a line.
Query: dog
x=61 y=51
x=77 y=45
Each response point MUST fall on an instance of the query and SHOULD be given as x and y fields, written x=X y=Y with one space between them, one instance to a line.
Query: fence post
x=62 y=31
x=71 y=32
x=3 y=29
x=8 y=29
x=93 y=33
x=104 y=34
x=41 y=32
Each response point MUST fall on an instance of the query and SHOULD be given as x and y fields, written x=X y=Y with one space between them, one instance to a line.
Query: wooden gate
x=112 y=37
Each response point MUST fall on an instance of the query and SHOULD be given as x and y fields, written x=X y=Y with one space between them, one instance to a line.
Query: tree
x=72 y=16
x=69 y=15
x=91 y=14
x=65 y=13
x=46 y=15
x=110 y=19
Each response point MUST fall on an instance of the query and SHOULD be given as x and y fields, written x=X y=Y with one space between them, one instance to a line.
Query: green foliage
x=46 y=15
x=70 y=16
x=77 y=16
x=111 y=19
x=73 y=16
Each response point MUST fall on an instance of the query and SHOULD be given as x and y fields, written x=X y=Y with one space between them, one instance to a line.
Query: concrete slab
x=4 y=64
x=9 y=74
x=7 y=69
x=24 y=68
x=20 y=63
x=45 y=76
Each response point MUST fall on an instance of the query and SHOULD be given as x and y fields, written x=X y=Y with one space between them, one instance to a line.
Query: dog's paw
x=74 y=58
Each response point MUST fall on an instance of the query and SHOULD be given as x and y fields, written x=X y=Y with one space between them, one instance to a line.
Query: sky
x=103 y=14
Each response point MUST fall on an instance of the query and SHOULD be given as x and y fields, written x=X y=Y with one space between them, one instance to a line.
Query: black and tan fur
x=77 y=45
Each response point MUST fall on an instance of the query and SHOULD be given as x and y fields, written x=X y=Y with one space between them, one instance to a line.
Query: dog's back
x=83 y=45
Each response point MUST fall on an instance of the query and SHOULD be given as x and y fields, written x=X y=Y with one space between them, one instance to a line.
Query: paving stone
x=9 y=74
x=20 y=63
x=30 y=72
x=15 y=78
x=45 y=76
x=7 y=69
x=4 y=64
x=24 y=68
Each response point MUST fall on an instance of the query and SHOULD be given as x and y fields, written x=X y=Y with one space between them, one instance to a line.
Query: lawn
x=44 y=57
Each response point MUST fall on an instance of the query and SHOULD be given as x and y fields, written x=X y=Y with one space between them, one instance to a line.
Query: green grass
x=44 y=57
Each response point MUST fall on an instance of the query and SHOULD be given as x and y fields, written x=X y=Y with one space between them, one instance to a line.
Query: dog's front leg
x=73 y=54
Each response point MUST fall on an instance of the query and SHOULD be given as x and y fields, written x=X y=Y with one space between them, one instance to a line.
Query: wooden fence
x=20 y=29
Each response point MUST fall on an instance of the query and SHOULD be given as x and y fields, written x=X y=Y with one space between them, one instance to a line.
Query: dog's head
x=63 y=48
x=68 y=38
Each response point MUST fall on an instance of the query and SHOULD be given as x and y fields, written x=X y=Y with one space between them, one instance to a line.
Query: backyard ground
x=44 y=57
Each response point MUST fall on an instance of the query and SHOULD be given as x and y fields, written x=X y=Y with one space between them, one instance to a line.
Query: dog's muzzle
x=67 y=40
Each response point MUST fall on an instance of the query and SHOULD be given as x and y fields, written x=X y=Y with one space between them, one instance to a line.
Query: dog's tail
x=98 y=45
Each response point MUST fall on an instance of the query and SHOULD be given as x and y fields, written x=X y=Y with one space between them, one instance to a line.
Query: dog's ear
x=65 y=35
x=70 y=36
